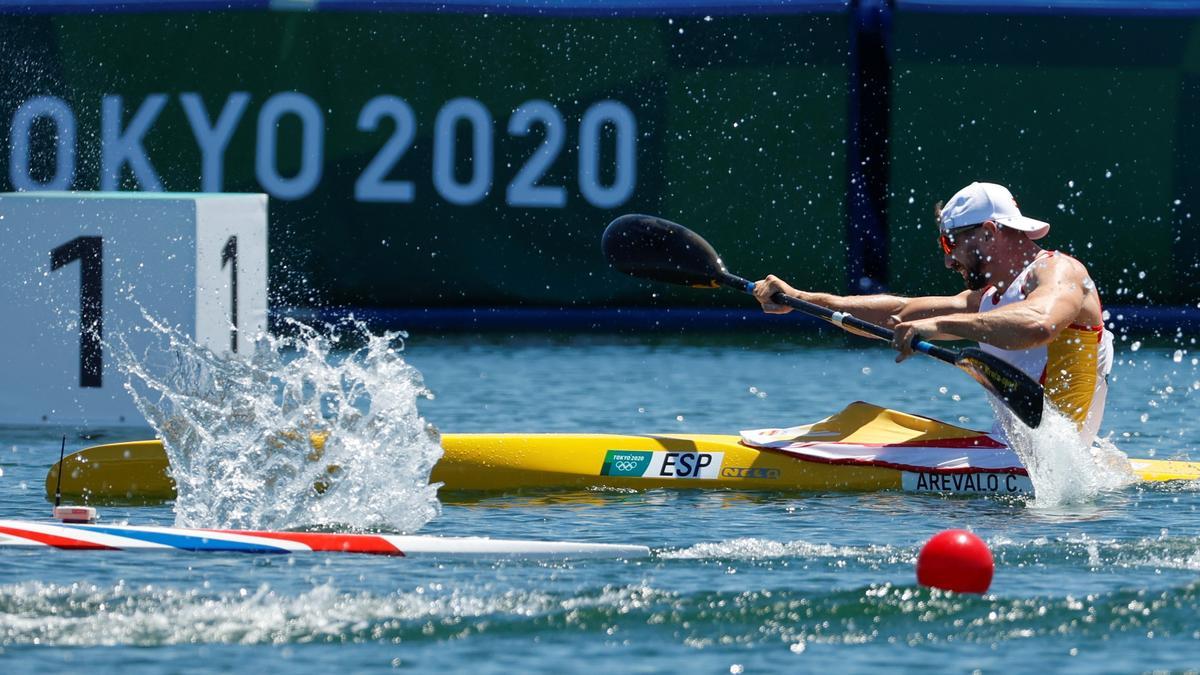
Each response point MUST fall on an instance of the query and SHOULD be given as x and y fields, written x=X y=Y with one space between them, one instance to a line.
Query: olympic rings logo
x=625 y=465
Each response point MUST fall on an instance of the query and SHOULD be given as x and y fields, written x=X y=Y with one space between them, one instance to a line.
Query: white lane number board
x=79 y=264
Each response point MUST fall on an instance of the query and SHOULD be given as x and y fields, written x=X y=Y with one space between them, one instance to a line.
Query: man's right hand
x=765 y=288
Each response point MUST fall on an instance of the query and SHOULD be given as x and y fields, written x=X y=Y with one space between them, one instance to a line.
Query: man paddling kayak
x=1036 y=309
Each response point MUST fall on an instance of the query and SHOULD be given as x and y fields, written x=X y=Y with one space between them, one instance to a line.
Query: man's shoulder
x=1059 y=262
x=1055 y=266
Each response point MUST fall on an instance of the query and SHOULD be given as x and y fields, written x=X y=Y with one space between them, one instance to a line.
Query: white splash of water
x=1063 y=470
x=765 y=549
x=306 y=432
x=152 y=616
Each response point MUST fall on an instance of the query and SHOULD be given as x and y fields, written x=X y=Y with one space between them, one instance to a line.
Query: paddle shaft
x=842 y=319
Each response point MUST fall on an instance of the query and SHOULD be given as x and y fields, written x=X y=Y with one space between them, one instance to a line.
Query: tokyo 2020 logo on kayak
x=618 y=463
x=661 y=464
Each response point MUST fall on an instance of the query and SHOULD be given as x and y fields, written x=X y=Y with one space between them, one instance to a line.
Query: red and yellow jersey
x=1073 y=367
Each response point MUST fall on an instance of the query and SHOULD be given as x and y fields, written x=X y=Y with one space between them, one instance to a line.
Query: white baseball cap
x=979 y=202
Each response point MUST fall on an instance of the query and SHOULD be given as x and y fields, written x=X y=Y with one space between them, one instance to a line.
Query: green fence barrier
x=452 y=160
x=1091 y=121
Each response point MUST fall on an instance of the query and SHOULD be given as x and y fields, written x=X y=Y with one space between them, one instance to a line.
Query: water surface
x=749 y=581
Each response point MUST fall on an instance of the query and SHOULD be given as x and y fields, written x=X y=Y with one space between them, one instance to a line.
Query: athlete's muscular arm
x=1056 y=292
x=884 y=310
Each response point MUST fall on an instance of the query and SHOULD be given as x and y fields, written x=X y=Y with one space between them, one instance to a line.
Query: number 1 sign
x=81 y=267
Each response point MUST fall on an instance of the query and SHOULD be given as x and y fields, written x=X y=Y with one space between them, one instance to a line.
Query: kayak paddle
x=648 y=247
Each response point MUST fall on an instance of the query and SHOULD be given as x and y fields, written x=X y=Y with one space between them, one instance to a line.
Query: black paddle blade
x=1019 y=391
x=649 y=247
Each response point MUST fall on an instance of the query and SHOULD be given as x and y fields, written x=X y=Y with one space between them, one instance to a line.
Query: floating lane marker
x=146 y=538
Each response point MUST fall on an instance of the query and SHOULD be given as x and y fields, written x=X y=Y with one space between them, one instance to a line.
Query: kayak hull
x=138 y=471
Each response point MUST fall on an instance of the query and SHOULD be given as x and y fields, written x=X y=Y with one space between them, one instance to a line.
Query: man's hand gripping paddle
x=648 y=247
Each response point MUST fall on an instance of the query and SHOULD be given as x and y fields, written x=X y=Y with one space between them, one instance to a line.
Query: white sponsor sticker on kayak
x=662 y=464
x=966 y=483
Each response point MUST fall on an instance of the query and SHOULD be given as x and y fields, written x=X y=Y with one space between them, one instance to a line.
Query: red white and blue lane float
x=78 y=531
x=93 y=537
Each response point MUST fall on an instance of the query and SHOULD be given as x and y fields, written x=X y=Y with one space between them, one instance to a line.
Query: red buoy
x=955 y=560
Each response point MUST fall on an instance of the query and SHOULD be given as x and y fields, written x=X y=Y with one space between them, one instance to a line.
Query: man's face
x=968 y=255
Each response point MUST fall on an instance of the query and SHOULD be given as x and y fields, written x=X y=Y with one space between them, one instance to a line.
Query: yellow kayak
x=138 y=471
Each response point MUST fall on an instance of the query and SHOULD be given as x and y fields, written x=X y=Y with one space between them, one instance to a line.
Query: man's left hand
x=905 y=331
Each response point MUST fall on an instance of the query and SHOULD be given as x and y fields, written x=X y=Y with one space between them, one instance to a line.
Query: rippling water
x=756 y=581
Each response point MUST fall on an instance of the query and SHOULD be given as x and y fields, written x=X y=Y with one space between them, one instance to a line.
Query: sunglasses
x=948 y=239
